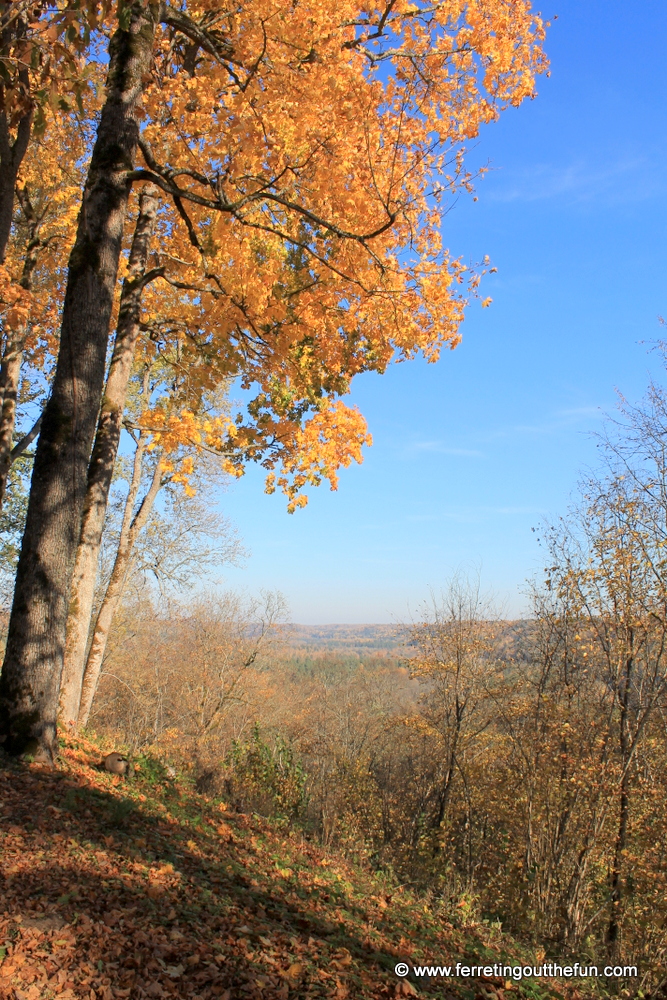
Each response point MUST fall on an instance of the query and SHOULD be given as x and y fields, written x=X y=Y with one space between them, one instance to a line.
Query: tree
x=12 y=522
x=156 y=376
x=302 y=151
x=46 y=93
x=181 y=670
x=454 y=642
x=102 y=462
x=48 y=58
x=602 y=677
x=169 y=545
x=35 y=261
x=30 y=683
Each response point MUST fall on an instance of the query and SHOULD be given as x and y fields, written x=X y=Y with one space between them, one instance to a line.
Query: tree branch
x=26 y=440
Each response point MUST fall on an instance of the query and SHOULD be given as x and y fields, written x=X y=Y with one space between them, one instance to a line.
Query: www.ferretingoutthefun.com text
x=548 y=970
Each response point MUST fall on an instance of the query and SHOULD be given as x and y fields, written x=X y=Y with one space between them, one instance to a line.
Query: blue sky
x=473 y=452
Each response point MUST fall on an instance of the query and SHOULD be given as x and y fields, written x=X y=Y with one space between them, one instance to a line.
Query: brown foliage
x=118 y=888
x=487 y=772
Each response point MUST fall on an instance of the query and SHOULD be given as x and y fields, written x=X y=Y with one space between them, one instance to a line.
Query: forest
x=514 y=770
x=213 y=217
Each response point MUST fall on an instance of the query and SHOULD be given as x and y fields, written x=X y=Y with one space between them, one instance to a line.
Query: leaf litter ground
x=115 y=888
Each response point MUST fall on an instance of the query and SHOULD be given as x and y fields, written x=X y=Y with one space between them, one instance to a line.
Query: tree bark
x=11 y=157
x=12 y=357
x=30 y=682
x=616 y=884
x=102 y=462
x=130 y=530
x=11 y=152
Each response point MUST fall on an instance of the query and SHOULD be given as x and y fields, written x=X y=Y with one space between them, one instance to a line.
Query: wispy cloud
x=561 y=420
x=514 y=510
x=581 y=411
x=557 y=421
x=476 y=514
x=626 y=180
x=445 y=449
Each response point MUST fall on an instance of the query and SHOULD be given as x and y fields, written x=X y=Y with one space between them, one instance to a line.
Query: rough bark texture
x=616 y=883
x=30 y=682
x=11 y=157
x=100 y=470
x=12 y=153
x=12 y=355
x=13 y=150
x=129 y=533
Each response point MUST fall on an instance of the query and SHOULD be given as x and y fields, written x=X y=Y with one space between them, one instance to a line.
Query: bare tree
x=181 y=668
x=454 y=662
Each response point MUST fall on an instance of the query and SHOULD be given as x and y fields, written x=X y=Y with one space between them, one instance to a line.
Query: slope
x=140 y=887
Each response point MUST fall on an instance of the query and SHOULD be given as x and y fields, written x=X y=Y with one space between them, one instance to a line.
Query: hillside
x=392 y=640
x=139 y=887
x=360 y=639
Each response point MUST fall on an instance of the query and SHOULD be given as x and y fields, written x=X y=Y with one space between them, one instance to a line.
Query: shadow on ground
x=117 y=888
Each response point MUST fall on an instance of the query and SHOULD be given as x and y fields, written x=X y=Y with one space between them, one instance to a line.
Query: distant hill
x=350 y=638
x=391 y=640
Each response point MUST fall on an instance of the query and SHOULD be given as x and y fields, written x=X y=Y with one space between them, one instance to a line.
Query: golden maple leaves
x=299 y=149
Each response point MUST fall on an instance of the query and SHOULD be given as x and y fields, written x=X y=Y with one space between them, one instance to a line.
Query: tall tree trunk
x=11 y=157
x=616 y=884
x=30 y=682
x=130 y=530
x=12 y=356
x=13 y=151
x=102 y=462
x=10 y=376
